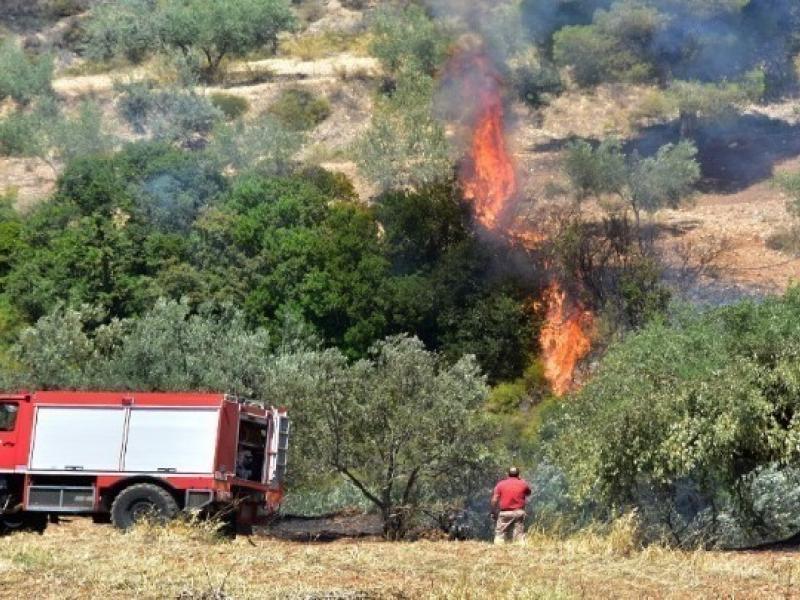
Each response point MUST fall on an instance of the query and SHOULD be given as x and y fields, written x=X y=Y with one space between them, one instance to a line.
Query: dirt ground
x=79 y=560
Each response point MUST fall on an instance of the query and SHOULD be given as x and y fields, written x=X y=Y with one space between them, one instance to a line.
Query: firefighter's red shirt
x=510 y=493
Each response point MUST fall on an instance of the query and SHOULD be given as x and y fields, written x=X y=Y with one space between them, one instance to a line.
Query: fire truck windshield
x=8 y=415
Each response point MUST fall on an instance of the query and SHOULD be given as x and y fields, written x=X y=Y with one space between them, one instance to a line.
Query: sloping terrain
x=732 y=218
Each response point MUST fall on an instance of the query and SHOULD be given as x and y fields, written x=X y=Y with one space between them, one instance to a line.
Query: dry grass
x=313 y=46
x=82 y=560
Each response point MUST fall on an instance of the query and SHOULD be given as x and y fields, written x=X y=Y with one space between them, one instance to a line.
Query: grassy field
x=82 y=560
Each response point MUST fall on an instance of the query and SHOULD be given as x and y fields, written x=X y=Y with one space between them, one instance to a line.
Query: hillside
x=732 y=222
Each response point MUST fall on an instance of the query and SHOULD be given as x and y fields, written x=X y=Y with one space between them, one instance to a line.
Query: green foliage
x=664 y=180
x=694 y=100
x=704 y=43
x=203 y=32
x=507 y=398
x=45 y=131
x=596 y=171
x=154 y=221
x=263 y=146
x=71 y=137
x=231 y=106
x=644 y=184
x=173 y=115
x=790 y=185
x=23 y=77
x=405 y=146
x=534 y=81
x=299 y=109
x=106 y=234
x=705 y=402
x=19 y=134
x=122 y=28
x=408 y=40
x=391 y=424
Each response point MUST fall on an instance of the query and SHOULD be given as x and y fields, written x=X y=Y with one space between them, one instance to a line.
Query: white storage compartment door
x=171 y=440
x=77 y=439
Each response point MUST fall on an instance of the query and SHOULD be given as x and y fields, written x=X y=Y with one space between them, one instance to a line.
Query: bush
x=231 y=106
x=264 y=145
x=683 y=418
x=534 y=82
x=19 y=133
x=65 y=8
x=405 y=145
x=175 y=114
x=408 y=39
x=23 y=77
x=300 y=110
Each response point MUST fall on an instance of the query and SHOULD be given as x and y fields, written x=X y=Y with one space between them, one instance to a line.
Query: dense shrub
x=231 y=106
x=172 y=114
x=23 y=77
x=686 y=418
x=300 y=109
x=408 y=39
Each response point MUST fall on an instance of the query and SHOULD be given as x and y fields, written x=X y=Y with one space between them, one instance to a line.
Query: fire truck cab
x=126 y=455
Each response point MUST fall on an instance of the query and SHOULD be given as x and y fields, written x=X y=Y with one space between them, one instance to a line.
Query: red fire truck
x=124 y=455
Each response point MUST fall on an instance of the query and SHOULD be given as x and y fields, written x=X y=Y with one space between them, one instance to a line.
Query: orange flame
x=564 y=340
x=489 y=180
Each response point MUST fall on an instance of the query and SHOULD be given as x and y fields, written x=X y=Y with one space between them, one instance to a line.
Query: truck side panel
x=56 y=428
x=171 y=440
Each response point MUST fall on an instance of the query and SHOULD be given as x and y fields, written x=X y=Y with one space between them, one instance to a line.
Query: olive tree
x=643 y=184
x=394 y=425
x=405 y=145
x=197 y=29
x=23 y=77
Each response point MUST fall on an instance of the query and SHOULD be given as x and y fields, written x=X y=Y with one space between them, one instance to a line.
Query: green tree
x=643 y=184
x=393 y=424
x=409 y=40
x=210 y=31
x=697 y=410
x=262 y=146
x=405 y=145
x=711 y=58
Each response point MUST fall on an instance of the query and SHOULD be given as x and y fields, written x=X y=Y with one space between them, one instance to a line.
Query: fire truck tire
x=142 y=500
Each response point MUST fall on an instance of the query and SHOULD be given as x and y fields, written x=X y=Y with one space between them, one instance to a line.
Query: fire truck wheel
x=142 y=501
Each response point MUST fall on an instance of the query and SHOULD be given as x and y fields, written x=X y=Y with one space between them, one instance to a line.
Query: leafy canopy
x=202 y=32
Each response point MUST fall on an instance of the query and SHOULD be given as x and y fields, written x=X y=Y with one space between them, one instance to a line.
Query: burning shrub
x=682 y=418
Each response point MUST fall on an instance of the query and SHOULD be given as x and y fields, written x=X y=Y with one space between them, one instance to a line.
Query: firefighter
x=508 y=507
